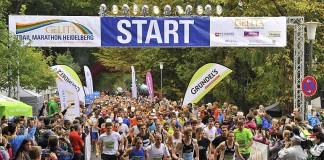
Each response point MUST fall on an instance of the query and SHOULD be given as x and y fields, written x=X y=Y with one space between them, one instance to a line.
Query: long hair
x=21 y=147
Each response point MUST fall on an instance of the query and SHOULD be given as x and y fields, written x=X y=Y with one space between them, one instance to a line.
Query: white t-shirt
x=110 y=143
x=210 y=133
x=123 y=128
x=157 y=153
x=94 y=121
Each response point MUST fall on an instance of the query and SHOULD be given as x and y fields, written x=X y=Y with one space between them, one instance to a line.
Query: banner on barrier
x=248 y=31
x=56 y=31
x=259 y=151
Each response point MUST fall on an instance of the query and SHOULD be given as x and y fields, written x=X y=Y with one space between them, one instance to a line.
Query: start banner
x=83 y=31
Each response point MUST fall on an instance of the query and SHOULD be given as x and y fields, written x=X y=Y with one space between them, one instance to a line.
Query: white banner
x=259 y=151
x=67 y=74
x=57 y=31
x=134 y=88
x=68 y=96
x=88 y=77
x=87 y=148
x=248 y=31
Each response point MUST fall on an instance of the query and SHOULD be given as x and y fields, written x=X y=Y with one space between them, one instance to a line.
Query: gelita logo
x=55 y=29
x=52 y=26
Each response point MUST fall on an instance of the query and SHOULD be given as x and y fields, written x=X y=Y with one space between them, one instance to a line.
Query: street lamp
x=311 y=31
x=161 y=68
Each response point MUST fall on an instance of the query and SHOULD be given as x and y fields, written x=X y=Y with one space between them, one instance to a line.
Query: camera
x=306 y=144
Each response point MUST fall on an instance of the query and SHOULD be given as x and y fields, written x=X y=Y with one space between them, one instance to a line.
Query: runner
x=136 y=152
x=203 y=144
x=110 y=144
x=144 y=135
x=174 y=138
x=218 y=140
x=95 y=132
x=158 y=150
x=159 y=130
x=210 y=130
x=244 y=138
x=186 y=147
x=230 y=148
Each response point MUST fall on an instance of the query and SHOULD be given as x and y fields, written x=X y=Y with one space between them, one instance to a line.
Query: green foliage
x=67 y=59
x=27 y=63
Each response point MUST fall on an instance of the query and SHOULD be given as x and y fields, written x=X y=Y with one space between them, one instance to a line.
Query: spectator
x=77 y=142
x=54 y=148
x=317 y=150
x=4 y=148
x=16 y=140
x=23 y=151
x=293 y=151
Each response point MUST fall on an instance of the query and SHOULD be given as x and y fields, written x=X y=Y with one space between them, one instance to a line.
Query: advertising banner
x=69 y=96
x=67 y=74
x=134 y=88
x=248 y=31
x=88 y=77
x=259 y=151
x=149 y=84
x=155 y=31
x=203 y=81
x=56 y=31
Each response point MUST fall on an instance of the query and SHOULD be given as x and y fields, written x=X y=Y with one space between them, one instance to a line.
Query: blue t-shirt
x=137 y=155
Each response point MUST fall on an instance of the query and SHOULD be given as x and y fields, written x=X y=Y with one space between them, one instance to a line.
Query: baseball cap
x=132 y=109
x=108 y=120
x=120 y=120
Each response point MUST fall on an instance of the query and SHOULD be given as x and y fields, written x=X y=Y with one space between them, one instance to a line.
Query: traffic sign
x=309 y=86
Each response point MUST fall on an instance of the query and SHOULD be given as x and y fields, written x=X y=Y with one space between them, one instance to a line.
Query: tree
x=67 y=59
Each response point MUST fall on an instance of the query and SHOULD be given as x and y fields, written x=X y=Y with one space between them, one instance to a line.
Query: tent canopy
x=11 y=107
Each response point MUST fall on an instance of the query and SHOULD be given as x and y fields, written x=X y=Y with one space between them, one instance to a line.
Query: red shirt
x=76 y=142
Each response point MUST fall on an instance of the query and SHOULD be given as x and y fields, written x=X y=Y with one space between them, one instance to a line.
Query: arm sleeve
x=317 y=150
x=283 y=153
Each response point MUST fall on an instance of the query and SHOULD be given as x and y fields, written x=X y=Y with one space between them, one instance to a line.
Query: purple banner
x=149 y=84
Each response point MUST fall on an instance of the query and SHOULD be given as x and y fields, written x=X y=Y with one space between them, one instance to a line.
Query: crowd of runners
x=138 y=129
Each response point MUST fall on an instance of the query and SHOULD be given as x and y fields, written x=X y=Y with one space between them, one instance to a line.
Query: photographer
x=317 y=150
x=294 y=150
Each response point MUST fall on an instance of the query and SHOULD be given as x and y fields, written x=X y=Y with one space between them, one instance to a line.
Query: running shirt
x=157 y=153
x=187 y=150
x=137 y=155
x=210 y=133
x=229 y=152
x=243 y=139
x=146 y=139
x=175 y=140
x=94 y=121
x=110 y=142
x=136 y=131
x=203 y=145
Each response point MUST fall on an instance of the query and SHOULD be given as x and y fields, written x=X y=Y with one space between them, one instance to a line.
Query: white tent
x=31 y=98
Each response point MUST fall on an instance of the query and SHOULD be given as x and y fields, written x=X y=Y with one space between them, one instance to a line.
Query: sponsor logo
x=51 y=26
x=243 y=23
x=251 y=34
x=206 y=81
x=225 y=34
x=274 y=34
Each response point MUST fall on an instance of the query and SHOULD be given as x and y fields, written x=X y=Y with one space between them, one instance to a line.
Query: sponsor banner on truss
x=248 y=31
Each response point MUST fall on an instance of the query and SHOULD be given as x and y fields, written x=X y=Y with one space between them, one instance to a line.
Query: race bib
x=228 y=157
x=157 y=158
x=241 y=144
x=187 y=156
x=137 y=158
x=110 y=145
